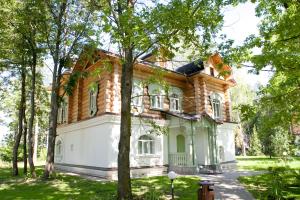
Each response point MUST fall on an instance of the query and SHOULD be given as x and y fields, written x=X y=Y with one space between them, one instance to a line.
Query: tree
x=14 y=59
x=278 y=39
x=22 y=39
x=241 y=95
x=149 y=27
x=255 y=145
x=67 y=30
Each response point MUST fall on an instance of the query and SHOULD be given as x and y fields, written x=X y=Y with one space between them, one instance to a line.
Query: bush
x=6 y=153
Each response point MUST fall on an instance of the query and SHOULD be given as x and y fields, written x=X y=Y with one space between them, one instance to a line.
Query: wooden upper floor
x=195 y=88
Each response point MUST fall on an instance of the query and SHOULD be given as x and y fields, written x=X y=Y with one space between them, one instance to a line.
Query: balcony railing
x=180 y=159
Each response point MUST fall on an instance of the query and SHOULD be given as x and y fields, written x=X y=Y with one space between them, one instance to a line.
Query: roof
x=191 y=117
x=191 y=68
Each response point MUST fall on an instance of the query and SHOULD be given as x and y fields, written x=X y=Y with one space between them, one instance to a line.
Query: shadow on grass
x=72 y=187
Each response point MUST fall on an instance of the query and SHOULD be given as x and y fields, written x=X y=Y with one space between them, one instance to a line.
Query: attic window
x=212 y=72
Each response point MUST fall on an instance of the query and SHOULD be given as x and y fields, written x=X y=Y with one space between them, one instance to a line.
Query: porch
x=192 y=146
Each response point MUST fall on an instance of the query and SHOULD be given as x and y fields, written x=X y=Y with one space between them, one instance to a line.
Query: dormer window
x=156 y=93
x=62 y=113
x=175 y=99
x=216 y=103
x=93 y=93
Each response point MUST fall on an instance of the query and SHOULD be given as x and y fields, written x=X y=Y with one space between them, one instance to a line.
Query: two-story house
x=195 y=109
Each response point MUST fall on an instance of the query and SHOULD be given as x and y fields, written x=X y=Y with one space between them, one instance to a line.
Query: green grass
x=265 y=184
x=280 y=177
x=73 y=187
x=260 y=163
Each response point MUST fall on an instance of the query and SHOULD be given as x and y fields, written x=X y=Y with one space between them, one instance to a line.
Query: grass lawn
x=284 y=178
x=72 y=187
x=263 y=162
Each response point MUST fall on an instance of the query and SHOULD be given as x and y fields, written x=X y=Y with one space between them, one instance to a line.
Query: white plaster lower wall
x=94 y=142
x=225 y=138
x=202 y=147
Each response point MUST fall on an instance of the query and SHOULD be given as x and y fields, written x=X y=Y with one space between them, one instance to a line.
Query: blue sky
x=240 y=22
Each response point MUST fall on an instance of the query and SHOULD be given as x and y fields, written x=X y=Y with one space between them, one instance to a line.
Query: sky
x=239 y=22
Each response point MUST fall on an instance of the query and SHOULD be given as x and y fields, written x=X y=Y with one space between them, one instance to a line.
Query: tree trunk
x=36 y=141
x=31 y=120
x=25 y=146
x=49 y=167
x=20 y=123
x=124 y=182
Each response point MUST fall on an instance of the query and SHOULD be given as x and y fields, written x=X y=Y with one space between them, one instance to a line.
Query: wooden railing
x=179 y=159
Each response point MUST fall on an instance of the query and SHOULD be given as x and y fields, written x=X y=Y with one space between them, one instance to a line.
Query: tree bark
x=124 y=181
x=32 y=114
x=25 y=145
x=20 y=123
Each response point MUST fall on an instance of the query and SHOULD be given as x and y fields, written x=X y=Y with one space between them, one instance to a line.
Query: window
x=137 y=96
x=180 y=139
x=216 y=108
x=93 y=93
x=145 y=145
x=58 y=148
x=216 y=102
x=157 y=101
x=156 y=96
x=212 y=72
x=221 y=154
x=62 y=113
x=175 y=99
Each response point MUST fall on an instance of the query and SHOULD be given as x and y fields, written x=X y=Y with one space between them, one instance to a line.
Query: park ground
x=282 y=179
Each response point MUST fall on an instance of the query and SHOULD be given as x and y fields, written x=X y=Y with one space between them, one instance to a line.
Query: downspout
x=193 y=148
x=169 y=160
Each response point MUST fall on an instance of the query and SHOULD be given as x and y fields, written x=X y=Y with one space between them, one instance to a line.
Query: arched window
x=145 y=145
x=180 y=140
x=216 y=103
x=93 y=93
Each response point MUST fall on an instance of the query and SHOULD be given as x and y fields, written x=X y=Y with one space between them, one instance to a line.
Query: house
x=196 y=110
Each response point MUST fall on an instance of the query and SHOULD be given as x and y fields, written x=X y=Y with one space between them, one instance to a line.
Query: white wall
x=94 y=142
x=225 y=138
x=201 y=147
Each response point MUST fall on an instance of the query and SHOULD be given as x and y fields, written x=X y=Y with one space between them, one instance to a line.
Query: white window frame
x=59 y=149
x=62 y=113
x=146 y=145
x=156 y=93
x=216 y=104
x=93 y=94
x=175 y=97
x=137 y=96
